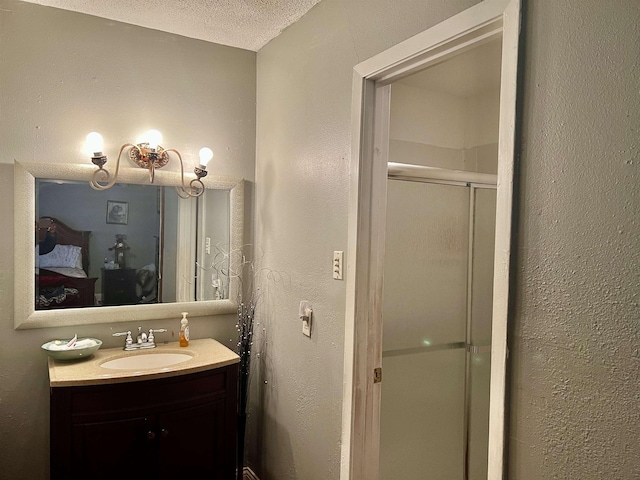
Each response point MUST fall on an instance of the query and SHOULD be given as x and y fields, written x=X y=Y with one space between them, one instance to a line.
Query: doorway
x=438 y=268
x=365 y=377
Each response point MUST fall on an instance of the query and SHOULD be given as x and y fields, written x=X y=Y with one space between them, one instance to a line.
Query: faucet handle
x=151 y=337
x=128 y=340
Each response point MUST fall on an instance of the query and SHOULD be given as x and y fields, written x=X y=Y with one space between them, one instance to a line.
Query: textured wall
x=302 y=191
x=53 y=90
x=575 y=405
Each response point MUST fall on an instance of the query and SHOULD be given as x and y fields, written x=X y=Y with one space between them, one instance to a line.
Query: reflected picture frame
x=117 y=212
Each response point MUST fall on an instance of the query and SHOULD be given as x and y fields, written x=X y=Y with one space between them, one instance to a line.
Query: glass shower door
x=434 y=392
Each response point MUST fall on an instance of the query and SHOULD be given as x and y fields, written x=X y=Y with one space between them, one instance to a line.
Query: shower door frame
x=486 y=21
x=474 y=182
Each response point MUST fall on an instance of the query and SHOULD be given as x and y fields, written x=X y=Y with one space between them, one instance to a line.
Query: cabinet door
x=192 y=443
x=115 y=449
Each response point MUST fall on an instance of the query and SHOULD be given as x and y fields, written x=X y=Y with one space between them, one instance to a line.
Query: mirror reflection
x=132 y=244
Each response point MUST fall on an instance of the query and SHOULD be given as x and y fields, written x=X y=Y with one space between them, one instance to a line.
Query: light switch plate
x=306 y=326
x=338 y=257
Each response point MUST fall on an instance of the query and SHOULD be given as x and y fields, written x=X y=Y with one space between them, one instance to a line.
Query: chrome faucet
x=143 y=341
x=142 y=337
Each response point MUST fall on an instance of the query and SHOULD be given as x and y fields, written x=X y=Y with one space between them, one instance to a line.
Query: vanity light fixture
x=147 y=154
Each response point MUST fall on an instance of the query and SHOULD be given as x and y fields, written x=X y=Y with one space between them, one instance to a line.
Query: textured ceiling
x=247 y=24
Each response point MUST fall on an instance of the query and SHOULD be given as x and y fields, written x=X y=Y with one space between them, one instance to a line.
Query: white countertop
x=207 y=354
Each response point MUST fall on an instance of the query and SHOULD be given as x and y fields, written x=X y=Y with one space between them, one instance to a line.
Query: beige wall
x=62 y=75
x=575 y=371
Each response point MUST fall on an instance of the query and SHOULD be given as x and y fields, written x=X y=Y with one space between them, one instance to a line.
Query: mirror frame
x=25 y=314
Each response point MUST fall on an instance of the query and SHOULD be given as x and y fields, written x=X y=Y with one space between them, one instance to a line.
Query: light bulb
x=94 y=144
x=153 y=138
x=205 y=155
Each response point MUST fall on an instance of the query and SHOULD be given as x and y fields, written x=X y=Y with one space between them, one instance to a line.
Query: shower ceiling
x=470 y=73
x=247 y=24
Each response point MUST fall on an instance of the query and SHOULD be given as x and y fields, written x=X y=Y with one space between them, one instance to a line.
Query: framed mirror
x=140 y=252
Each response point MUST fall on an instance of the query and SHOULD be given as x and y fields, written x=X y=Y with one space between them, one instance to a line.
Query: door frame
x=483 y=22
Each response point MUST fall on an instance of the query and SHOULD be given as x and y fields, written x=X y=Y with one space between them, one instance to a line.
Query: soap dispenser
x=184 y=330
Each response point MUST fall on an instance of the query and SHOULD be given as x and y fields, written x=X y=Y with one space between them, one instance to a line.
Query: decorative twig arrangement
x=246 y=317
x=235 y=265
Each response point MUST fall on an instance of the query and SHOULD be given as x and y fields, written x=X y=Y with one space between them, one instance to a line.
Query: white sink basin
x=146 y=361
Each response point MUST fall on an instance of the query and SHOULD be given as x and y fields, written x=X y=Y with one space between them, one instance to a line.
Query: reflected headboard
x=65 y=235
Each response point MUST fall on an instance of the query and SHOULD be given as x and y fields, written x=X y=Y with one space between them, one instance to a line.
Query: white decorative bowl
x=53 y=349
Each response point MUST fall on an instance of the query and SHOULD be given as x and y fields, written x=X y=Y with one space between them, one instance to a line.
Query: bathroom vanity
x=145 y=421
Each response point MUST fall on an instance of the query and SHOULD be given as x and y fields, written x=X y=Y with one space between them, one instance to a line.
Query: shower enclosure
x=438 y=287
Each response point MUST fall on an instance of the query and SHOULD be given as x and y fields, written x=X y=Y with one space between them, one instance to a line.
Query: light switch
x=306 y=312
x=337 y=264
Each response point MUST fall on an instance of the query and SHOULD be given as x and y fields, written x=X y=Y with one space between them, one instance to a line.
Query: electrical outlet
x=207 y=245
x=338 y=257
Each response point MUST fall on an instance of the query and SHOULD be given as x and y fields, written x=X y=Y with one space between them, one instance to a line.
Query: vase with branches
x=245 y=325
x=234 y=265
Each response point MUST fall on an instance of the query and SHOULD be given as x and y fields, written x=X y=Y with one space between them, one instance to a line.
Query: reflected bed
x=61 y=271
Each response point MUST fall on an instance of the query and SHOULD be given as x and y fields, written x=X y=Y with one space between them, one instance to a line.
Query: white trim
x=398 y=60
x=185 y=250
x=504 y=218
x=360 y=420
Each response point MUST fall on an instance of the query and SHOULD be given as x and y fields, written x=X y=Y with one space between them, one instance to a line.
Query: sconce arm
x=104 y=173
x=196 y=187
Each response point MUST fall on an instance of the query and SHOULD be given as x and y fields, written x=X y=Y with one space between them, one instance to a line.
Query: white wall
x=62 y=75
x=427 y=116
x=439 y=129
x=482 y=112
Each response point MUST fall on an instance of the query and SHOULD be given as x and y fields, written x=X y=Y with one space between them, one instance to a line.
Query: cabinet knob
x=164 y=432
x=151 y=435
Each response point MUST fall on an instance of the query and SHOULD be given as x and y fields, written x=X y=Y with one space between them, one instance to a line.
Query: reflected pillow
x=67 y=256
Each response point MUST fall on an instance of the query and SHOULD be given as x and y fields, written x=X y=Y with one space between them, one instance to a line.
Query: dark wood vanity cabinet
x=181 y=427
